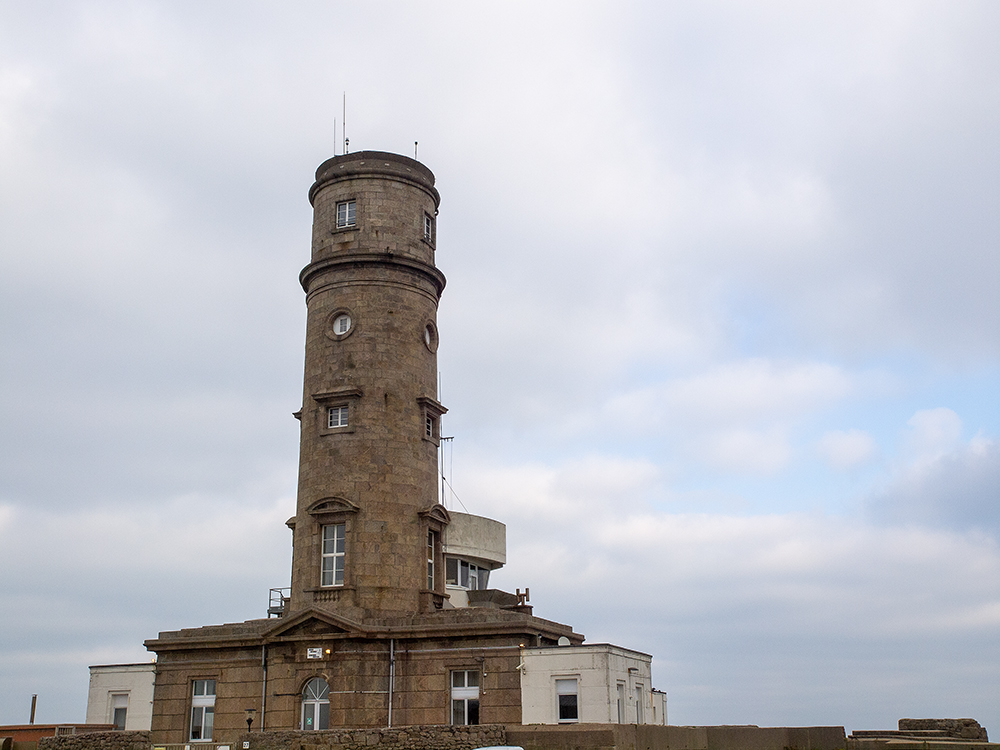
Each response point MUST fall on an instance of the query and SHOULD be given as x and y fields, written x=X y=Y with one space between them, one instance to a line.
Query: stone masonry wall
x=404 y=738
x=97 y=741
x=968 y=729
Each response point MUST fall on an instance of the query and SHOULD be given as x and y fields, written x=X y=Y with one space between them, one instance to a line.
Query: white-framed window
x=465 y=574
x=119 y=710
x=346 y=214
x=432 y=537
x=640 y=704
x=465 y=696
x=342 y=324
x=336 y=416
x=431 y=337
x=567 y=707
x=429 y=228
x=202 y=710
x=316 y=704
x=332 y=566
x=430 y=412
x=621 y=703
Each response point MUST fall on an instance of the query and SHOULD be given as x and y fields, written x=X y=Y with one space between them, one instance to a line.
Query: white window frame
x=338 y=417
x=316 y=696
x=347 y=214
x=432 y=538
x=567 y=686
x=342 y=324
x=202 y=710
x=464 y=697
x=429 y=228
x=333 y=557
x=640 y=704
x=119 y=702
x=431 y=412
x=468 y=575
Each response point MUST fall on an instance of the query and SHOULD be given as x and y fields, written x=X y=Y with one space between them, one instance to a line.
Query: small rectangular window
x=566 y=697
x=202 y=710
x=346 y=213
x=431 y=547
x=336 y=416
x=465 y=696
x=430 y=427
x=429 y=228
x=332 y=570
x=119 y=708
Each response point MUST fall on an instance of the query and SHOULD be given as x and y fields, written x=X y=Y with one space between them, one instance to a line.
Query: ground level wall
x=651 y=737
x=537 y=737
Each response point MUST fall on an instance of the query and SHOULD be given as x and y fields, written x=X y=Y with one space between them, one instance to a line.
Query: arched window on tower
x=316 y=704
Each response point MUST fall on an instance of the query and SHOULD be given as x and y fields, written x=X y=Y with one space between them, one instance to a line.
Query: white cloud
x=741 y=394
x=933 y=432
x=749 y=451
x=847 y=449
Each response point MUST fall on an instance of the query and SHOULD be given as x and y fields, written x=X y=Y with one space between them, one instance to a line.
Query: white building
x=595 y=684
x=121 y=694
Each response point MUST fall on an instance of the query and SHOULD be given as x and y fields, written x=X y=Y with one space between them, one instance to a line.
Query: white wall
x=598 y=669
x=135 y=680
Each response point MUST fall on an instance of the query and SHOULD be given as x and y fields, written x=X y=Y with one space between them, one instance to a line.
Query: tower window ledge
x=338 y=410
x=337 y=393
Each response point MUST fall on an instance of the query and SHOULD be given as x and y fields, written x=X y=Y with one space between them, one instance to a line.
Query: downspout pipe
x=263 y=687
x=392 y=675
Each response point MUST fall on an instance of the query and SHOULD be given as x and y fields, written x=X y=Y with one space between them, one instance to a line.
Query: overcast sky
x=720 y=342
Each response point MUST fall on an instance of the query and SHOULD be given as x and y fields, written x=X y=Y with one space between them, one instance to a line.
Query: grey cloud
x=959 y=490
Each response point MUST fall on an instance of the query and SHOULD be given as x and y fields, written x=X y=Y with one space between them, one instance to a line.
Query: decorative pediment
x=433 y=407
x=312 y=623
x=436 y=513
x=329 y=505
x=338 y=394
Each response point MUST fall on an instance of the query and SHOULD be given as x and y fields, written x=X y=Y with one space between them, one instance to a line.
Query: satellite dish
x=563 y=641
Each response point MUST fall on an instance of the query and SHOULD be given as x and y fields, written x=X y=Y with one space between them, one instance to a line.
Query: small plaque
x=314 y=653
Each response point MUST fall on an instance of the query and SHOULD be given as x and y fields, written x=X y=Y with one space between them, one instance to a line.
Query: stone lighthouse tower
x=368 y=527
x=390 y=619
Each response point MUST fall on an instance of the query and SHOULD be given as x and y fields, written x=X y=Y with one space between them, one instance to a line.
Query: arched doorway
x=316 y=704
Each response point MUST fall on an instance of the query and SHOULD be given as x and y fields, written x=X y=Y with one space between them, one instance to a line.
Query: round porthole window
x=430 y=337
x=341 y=325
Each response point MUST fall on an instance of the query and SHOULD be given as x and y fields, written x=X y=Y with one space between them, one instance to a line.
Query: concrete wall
x=598 y=669
x=133 y=680
x=477 y=538
x=647 y=737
